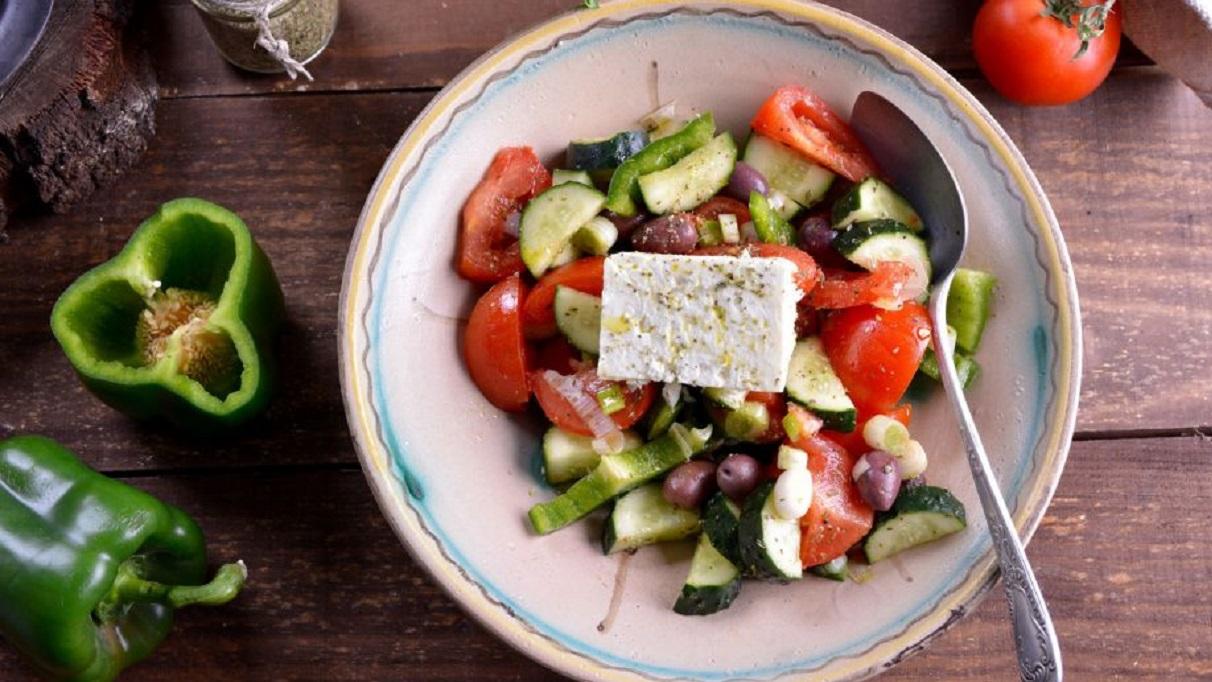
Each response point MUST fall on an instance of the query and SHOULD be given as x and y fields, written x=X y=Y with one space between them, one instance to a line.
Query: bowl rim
x=1060 y=291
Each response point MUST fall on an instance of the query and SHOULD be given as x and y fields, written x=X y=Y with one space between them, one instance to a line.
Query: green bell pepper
x=624 y=188
x=769 y=225
x=181 y=323
x=91 y=569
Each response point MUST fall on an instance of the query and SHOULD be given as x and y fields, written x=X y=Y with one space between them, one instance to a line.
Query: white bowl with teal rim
x=455 y=477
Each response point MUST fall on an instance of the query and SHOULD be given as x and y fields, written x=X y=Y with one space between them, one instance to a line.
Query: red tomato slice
x=584 y=275
x=800 y=119
x=494 y=348
x=853 y=441
x=558 y=355
x=561 y=413
x=807 y=277
x=843 y=289
x=719 y=205
x=486 y=252
x=876 y=352
x=838 y=516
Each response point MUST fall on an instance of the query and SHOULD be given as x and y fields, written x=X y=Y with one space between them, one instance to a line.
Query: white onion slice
x=588 y=409
x=671 y=393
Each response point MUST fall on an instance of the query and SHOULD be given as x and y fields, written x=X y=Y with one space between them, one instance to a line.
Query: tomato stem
x=1090 y=22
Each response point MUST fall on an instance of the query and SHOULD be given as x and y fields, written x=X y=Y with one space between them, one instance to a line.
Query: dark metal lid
x=21 y=24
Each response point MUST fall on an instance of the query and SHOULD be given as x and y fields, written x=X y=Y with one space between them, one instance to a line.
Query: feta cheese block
x=708 y=321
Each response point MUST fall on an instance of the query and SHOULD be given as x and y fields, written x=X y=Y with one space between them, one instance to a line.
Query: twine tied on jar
x=278 y=48
x=270 y=36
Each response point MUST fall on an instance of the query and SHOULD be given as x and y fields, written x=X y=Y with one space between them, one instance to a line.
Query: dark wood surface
x=1124 y=554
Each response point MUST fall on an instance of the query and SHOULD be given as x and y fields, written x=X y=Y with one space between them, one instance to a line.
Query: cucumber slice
x=561 y=176
x=606 y=152
x=966 y=368
x=659 y=155
x=644 y=517
x=968 y=306
x=874 y=199
x=721 y=517
x=596 y=237
x=769 y=544
x=832 y=570
x=812 y=383
x=784 y=206
x=569 y=456
x=579 y=318
x=694 y=179
x=713 y=582
x=869 y=243
x=920 y=515
x=550 y=220
x=618 y=473
x=787 y=171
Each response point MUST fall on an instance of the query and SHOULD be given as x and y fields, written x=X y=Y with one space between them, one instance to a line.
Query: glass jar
x=305 y=25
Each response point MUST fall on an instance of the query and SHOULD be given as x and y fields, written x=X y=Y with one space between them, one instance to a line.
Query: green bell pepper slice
x=181 y=323
x=91 y=570
x=624 y=188
x=769 y=225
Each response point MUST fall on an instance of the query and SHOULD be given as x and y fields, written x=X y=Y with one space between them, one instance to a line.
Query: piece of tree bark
x=81 y=110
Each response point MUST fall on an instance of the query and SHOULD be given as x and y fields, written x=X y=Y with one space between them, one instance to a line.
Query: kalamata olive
x=737 y=475
x=878 y=477
x=816 y=236
x=745 y=179
x=676 y=233
x=625 y=224
x=689 y=485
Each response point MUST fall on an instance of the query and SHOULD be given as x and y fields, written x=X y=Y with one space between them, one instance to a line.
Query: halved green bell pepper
x=91 y=569
x=181 y=323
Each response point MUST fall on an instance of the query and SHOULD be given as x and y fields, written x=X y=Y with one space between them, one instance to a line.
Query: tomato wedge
x=486 y=252
x=838 y=517
x=558 y=355
x=842 y=289
x=876 y=352
x=716 y=206
x=853 y=441
x=807 y=277
x=494 y=348
x=800 y=119
x=561 y=413
x=584 y=275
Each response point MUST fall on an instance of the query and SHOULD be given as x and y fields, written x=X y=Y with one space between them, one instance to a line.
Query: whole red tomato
x=1032 y=50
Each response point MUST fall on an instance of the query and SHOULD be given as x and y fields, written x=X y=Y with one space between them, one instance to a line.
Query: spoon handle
x=1039 y=656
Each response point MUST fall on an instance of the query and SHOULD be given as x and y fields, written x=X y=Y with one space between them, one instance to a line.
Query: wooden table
x=1124 y=554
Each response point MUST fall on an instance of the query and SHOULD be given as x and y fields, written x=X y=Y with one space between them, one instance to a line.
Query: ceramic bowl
x=454 y=476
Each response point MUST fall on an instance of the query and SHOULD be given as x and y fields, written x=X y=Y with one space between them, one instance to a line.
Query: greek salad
x=721 y=336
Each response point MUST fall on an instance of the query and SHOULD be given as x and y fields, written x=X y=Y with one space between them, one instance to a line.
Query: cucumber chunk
x=579 y=318
x=732 y=398
x=784 y=206
x=966 y=368
x=713 y=582
x=596 y=237
x=644 y=517
x=769 y=544
x=561 y=176
x=661 y=417
x=721 y=518
x=569 y=456
x=874 y=241
x=968 y=306
x=920 y=515
x=618 y=473
x=873 y=199
x=747 y=422
x=812 y=383
x=607 y=152
x=832 y=570
x=692 y=180
x=788 y=172
x=550 y=220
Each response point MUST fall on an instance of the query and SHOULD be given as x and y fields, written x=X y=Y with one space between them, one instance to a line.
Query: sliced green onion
x=611 y=399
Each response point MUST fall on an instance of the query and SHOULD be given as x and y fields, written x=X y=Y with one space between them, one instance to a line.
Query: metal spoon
x=918 y=171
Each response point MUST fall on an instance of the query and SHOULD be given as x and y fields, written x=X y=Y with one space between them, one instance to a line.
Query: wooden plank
x=1123 y=555
x=388 y=44
x=298 y=168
